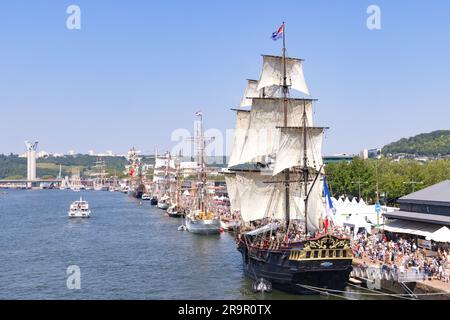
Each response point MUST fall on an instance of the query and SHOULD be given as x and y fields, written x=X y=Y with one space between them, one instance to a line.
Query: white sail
x=240 y=135
x=263 y=195
x=315 y=205
x=250 y=92
x=266 y=115
x=291 y=151
x=272 y=73
x=233 y=193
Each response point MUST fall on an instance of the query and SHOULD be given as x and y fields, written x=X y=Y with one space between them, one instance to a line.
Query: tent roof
x=441 y=235
x=411 y=227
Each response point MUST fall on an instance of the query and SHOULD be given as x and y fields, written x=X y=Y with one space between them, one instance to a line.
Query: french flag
x=278 y=34
x=329 y=209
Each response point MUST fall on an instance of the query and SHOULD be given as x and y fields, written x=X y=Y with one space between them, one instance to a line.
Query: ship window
x=344 y=253
x=316 y=254
x=323 y=254
x=308 y=254
x=338 y=253
x=330 y=253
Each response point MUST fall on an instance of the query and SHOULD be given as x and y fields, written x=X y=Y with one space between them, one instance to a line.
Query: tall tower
x=31 y=159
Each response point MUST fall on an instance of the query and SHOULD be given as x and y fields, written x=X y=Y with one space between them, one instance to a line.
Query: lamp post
x=413 y=183
x=359 y=182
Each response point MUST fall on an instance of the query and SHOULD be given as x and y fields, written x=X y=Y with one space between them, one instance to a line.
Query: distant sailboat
x=200 y=219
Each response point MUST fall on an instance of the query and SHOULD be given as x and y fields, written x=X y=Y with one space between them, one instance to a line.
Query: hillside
x=426 y=144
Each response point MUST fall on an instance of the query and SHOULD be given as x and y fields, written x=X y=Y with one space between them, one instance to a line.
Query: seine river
x=126 y=250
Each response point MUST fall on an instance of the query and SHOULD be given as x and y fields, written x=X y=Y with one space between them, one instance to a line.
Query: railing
x=373 y=273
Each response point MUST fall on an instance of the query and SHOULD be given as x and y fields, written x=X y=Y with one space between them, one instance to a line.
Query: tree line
x=394 y=178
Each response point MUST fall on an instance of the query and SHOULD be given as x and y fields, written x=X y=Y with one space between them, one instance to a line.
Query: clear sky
x=137 y=70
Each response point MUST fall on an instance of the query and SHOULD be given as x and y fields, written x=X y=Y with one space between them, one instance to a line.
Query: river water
x=126 y=250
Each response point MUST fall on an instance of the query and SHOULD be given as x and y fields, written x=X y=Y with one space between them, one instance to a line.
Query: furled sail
x=272 y=73
x=240 y=135
x=266 y=115
x=290 y=152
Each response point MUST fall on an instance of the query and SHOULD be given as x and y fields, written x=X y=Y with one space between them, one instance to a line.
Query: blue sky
x=137 y=70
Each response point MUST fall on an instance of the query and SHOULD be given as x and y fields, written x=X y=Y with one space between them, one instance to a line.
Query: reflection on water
x=126 y=250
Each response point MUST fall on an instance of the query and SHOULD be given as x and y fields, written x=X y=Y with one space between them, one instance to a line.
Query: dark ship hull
x=176 y=214
x=138 y=192
x=294 y=269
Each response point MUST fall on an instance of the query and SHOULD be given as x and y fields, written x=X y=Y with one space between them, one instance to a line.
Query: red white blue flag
x=278 y=34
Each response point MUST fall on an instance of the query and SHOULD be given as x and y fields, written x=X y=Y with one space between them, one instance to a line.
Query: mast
x=200 y=161
x=305 y=167
x=285 y=102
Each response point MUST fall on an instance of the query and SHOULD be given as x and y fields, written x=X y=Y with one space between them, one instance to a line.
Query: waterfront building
x=424 y=214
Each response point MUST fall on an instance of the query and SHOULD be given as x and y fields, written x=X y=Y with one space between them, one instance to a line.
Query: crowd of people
x=400 y=255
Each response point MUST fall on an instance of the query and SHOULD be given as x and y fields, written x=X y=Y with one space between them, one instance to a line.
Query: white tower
x=31 y=159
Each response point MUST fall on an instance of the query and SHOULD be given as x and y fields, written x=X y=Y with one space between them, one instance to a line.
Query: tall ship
x=137 y=187
x=201 y=219
x=163 y=179
x=99 y=175
x=176 y=209
x=75 y=181
x=275 y=180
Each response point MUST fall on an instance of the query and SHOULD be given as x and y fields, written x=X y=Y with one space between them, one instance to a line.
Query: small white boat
x=175 y=212
x=79 y=209
x=229 y=224
x=146 y=196
x=163 y=203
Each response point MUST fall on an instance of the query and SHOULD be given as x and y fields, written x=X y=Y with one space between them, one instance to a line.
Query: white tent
x=441 y=235
x=357 y=221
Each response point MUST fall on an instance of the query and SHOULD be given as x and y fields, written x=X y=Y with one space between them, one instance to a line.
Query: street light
x=413 y=183
x=359 y=182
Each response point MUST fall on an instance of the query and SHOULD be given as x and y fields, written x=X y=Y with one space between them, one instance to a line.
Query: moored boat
x=275 y=181
x=175 y=212
x=163 y=203
x=203 y=223
x=201 y=220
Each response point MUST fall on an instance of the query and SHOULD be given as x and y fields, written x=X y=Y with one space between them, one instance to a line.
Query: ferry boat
x=275 y=180
x=79 y=209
